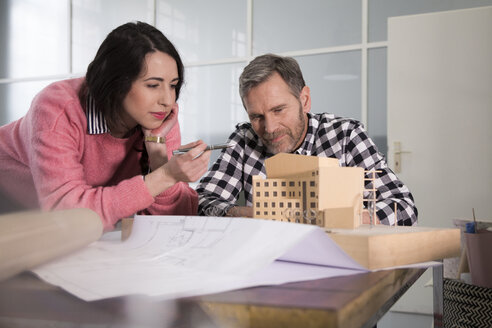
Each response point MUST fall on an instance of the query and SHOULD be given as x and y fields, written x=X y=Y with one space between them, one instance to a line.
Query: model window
x=292 y=184
x=266 y=183
x=283 y=184
x=311 y=183
x=274 y=194
x=284 y=193
x=274 y=183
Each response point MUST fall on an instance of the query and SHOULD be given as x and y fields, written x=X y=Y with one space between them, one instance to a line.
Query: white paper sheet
x=169 y=257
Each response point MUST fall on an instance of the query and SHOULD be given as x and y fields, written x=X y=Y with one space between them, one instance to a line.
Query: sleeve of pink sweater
x=57 y=133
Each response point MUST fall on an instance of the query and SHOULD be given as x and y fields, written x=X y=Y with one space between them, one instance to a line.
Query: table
x=349 y=301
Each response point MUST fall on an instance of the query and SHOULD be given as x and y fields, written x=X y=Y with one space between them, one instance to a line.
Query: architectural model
x=311 y=190
x=316 y=190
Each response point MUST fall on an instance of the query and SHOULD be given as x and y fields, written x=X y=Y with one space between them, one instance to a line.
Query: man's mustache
x=270 y=136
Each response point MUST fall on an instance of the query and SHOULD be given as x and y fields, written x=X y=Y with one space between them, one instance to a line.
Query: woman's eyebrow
x=160 y=79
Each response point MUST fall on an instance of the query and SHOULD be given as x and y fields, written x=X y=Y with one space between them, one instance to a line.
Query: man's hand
x=240 y=211
x=366 y=218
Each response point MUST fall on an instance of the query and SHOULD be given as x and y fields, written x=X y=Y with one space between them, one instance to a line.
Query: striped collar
x=96 y=123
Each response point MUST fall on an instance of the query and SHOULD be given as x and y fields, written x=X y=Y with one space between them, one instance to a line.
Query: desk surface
x=351 y=301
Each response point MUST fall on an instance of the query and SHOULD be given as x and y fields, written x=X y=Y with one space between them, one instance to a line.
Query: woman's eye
x=152 y=85
x=173 y=86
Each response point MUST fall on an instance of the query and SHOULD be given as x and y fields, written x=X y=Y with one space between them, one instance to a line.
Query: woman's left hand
x=166 y=125
x=158 y=152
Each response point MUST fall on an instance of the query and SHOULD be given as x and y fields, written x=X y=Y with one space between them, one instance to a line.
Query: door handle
x=397 y=156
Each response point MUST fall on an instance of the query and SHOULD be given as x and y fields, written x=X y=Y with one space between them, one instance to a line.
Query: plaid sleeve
x=390 y=191
x=219 y=189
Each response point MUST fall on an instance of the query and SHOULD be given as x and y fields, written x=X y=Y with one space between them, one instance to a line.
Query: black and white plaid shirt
x=327 y=136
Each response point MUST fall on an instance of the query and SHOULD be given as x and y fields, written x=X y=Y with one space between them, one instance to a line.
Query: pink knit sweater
x=48 y=160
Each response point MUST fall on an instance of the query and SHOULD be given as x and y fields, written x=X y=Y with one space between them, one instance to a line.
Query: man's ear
x=305 y=98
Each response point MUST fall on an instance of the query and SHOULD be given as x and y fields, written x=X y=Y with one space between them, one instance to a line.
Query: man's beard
x=294 y=137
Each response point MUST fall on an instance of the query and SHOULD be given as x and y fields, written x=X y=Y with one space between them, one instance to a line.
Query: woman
x=105 y=141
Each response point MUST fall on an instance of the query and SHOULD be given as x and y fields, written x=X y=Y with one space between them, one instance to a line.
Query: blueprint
x=169 y=257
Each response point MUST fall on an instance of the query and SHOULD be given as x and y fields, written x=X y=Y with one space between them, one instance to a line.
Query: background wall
x=340 y=45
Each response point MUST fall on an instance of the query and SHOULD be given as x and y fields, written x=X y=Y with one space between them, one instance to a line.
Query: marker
x=211 y=147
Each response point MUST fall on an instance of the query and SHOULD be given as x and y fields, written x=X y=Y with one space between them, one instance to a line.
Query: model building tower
x=309 y=189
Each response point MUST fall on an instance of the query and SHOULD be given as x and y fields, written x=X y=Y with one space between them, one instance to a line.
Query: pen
x=211 y=147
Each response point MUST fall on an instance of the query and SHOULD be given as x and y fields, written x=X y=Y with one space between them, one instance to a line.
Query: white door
x=440 y=112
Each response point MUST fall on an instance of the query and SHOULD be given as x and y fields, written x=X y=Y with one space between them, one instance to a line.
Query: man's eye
x=173 y=86
x=278 y=110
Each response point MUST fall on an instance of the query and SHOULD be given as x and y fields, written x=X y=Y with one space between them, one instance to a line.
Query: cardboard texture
x=377 y=247
x=28 y=239
x=284 y=165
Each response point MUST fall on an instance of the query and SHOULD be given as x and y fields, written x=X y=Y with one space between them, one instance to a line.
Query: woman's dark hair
x=118 y=63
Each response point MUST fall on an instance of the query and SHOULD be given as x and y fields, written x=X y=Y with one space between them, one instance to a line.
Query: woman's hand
x=187 y=167
x=166 y=125
x=190 y=166
x=158 y=152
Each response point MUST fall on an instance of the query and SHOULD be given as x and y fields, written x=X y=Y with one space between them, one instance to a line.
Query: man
x=278 y=104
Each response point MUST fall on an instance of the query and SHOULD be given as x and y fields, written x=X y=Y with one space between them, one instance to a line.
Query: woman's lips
x=159 y=115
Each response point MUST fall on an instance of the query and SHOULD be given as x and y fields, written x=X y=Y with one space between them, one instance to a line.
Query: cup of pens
x=478 y=249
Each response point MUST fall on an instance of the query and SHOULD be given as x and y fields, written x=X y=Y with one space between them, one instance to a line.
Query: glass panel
x=334 y=80
x=286 y=25
x=380 y=10
x=376 y=94
x=16 y=98
x=34 y=38
x=202 y=31
x=210 y=106
x=93 y=20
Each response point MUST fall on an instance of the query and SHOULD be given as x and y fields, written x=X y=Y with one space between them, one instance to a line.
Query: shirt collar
x=96 y=123
x=306 y=147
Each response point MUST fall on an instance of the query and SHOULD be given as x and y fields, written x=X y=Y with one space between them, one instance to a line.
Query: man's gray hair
x=262 y=67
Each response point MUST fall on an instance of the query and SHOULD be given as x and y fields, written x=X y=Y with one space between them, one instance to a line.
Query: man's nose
x=270 y=124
